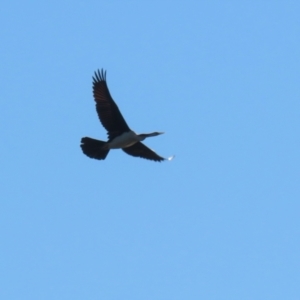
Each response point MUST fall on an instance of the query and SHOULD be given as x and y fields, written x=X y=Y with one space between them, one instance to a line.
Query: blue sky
x=221 y=220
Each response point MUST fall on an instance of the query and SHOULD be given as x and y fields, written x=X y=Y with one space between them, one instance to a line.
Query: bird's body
x=126 y=139
x=120 y=136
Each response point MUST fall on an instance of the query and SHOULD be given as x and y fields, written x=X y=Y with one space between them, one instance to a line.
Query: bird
x=120 y=136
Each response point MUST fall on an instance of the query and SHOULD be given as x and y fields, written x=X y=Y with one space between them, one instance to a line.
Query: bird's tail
x=94 y=148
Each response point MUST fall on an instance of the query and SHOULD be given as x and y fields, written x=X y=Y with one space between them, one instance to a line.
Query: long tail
x=93 y=148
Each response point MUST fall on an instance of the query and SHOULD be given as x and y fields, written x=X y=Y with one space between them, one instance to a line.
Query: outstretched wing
x=140 y=150
x=108 y=111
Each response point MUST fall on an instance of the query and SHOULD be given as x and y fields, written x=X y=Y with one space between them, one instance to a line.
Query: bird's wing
x=108 y=111
x=140 y=150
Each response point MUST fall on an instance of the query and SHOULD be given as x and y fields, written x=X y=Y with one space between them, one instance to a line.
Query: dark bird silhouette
x=120 y=136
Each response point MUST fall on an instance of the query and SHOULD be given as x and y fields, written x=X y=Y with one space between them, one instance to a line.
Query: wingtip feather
x=170 y=158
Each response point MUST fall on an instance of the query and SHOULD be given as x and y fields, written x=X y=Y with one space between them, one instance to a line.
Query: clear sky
x=221 y=220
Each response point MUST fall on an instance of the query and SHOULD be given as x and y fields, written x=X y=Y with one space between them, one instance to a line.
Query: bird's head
x=142 y=136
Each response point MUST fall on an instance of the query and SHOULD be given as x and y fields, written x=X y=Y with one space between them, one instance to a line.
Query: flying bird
x=120 y=136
